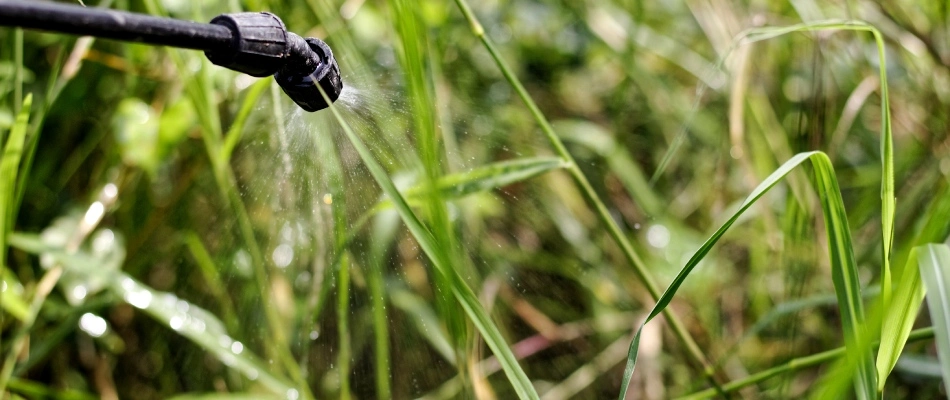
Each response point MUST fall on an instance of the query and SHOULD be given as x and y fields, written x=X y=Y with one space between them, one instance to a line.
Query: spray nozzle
x=262 y=46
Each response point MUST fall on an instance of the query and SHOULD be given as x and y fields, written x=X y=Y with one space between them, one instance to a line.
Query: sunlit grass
x=496 y=194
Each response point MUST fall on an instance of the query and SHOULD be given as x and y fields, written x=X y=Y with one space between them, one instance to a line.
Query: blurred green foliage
x=215 y=242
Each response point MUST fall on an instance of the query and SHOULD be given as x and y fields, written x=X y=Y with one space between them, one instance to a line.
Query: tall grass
x=502 y=188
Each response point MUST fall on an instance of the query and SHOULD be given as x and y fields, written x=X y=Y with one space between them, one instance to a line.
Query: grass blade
x=844 y=268
x=186 y=319
x=12 y=152
x=935 y=270
x=697 y=356
x=481 y=179
x=909 y=294
x=899 y=319
x=460 y=290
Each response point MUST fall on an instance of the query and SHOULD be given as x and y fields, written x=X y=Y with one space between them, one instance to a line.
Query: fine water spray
x=255 y=43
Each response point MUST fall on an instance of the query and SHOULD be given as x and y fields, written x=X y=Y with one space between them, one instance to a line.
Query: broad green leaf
x=843 y=268
x=460 y=290
x=935 y=271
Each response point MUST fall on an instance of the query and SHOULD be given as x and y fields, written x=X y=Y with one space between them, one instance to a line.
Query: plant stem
x=795 y=365
x=629 y=253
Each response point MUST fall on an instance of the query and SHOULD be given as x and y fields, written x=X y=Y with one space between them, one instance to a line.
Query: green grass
x=511 y=188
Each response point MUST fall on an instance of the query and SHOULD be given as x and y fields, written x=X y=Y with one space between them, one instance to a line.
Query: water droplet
x=94 y=213
x=78 y=292
x=103 y=241
x=283 y=255
x=110 y=191
x=176 y=323
x=293 y=394
x=658 y=236
x=237 y=348
x=92 y=324
x=182 y=306
x=314 y=334
x=140 y=299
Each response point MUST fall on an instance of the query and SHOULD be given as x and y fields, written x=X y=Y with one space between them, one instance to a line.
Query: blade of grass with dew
x=843 y=267
x=902 y=311
x=9 y=166
x=935 y=270
x=196 y=324
x=696 y=355
x=10 y=297
x=459 y=288
x=413 y=43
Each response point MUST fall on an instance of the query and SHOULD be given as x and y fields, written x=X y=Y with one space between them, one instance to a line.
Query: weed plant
x=524 y=199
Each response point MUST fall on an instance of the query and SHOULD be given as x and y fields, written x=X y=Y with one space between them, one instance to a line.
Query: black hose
x=112 y=24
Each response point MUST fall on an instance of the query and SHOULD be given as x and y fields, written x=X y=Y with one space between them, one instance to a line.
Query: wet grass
x=533 y=200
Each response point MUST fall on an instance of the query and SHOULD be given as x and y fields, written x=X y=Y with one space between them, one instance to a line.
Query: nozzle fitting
x=262 y=46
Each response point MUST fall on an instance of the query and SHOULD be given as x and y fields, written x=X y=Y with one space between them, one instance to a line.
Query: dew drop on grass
x=658 y=236
x=293 y=394
x=79 y=292
x=93 y=324
x=237 y=347
x=176 y=323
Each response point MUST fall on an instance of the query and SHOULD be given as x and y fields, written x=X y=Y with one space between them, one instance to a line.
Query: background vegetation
x=172 y=228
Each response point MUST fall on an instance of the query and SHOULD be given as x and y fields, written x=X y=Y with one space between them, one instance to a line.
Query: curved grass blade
x=696 y=355
x=843 y=266
x=935 y=270
x=888 y=199
x=460 y=290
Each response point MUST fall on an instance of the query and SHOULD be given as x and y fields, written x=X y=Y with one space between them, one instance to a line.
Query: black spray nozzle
x=262 y=46
x=257 y=44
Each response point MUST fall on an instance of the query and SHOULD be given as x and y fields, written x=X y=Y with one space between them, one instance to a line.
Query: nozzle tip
x=302 y=80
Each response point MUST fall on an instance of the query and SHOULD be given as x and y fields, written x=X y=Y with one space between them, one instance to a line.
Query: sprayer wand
x=256 y=44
